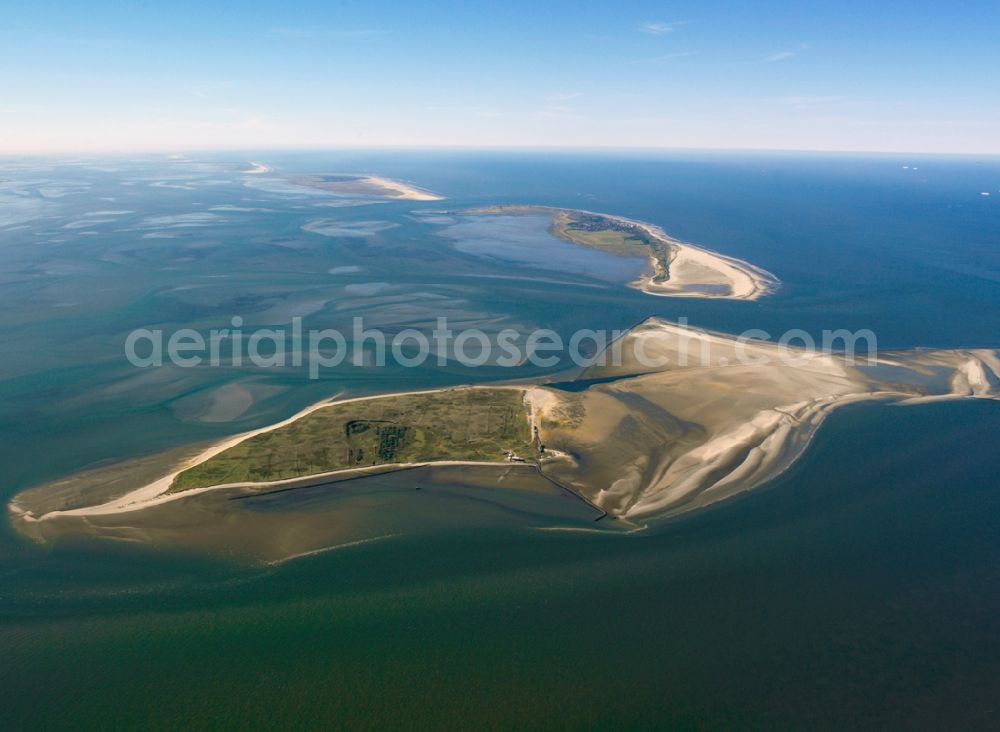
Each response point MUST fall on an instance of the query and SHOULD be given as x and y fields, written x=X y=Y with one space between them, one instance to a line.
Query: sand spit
x=720 y=417
x=366 y=186
x=403 y=191
x=328 y=549
x=155 y=492
x=698 y=272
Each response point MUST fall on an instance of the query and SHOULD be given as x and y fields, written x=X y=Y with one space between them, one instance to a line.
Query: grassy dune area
x=456 y=424
x=613 y=236
x=610 y=234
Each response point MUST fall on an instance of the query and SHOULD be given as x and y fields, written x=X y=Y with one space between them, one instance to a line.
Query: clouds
x=656 y=27
x=668 y=57
x=350 y=74
x=785 y=55
x=779 y=56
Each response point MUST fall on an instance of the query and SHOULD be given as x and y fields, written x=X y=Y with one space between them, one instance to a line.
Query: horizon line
x=111 y=152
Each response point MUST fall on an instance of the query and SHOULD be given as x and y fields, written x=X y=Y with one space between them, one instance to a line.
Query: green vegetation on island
x=615 y=236
x=451 y=425
x=610 y=234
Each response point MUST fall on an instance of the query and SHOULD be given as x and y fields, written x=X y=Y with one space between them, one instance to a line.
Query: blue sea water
x=858 y=590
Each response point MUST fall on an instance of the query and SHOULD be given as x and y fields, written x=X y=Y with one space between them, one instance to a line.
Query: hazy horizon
x=183 y=151
x=694 y=76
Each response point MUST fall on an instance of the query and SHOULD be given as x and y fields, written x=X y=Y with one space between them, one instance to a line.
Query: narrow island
x=365 y=186
x=676 y=268
x=254 y=168
x=714 y=417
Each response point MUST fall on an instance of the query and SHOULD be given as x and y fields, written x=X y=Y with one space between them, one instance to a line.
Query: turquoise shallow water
x=860 y=589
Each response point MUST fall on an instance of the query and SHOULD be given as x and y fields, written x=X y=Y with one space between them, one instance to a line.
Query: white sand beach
x=720 y=417
x=157 y=492
x=402 y=190
x=699 y=272
x=716 y=416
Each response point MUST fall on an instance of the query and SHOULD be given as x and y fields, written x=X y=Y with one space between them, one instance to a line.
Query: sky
x=155 y=76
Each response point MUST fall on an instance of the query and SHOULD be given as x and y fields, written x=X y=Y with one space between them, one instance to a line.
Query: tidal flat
x=857 y=588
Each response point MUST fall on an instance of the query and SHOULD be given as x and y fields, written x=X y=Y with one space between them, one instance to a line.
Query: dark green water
x=860 y=590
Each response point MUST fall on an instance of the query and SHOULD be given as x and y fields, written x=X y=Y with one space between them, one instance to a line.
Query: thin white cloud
x=779 y=56
x=657 y=27
x=785 y=55
x=668 y=57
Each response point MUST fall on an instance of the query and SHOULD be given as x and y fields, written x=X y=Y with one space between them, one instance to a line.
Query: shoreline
x=365 y=187
x=742 y=280
x=750 y=422
x=405 y=190
x=775 y=458
x=113 y=507
x=158 y=491
x=748 y=281
x=740 y=448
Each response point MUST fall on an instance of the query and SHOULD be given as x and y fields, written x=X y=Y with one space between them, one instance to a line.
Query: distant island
x=677 y=269
x=254 y=168
x=365 y=186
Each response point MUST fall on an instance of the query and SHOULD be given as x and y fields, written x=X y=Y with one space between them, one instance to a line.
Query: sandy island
x=712 y=417
x=676 y=268
x=366 y=186
x=402 y=190
x=256 y=169
x=158 y=491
